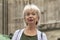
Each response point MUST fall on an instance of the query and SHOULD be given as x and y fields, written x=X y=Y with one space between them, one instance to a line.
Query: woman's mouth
x=30 y=20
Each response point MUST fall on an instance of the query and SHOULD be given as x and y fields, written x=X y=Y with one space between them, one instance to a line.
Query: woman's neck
x=31 y=27
x=30 y=30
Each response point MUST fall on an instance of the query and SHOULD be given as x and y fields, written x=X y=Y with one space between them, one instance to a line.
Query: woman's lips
x=30 y=19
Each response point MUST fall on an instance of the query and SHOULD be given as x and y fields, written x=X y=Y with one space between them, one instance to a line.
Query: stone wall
x=53 y=35
x=0 y=16
x=15 y=8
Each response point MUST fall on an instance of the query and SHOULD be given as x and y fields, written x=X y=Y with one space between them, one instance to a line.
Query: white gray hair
x=34 y=7
x=31 y=6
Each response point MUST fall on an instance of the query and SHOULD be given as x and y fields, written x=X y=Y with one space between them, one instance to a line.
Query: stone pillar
x=5 y=17
x=0 y=16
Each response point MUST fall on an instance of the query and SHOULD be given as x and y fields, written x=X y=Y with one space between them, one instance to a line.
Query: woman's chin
x=31 y=23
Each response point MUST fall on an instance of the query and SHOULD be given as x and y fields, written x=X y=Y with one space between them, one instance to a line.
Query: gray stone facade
x=0 y=16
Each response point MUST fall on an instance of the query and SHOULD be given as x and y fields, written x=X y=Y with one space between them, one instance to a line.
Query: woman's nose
x=30 y=16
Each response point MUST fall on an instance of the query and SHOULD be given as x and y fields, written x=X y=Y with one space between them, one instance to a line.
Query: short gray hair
x=31 y=6
x=34 y=7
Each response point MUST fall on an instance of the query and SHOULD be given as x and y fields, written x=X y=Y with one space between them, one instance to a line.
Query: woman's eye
x=27 y=14
x=33 y=14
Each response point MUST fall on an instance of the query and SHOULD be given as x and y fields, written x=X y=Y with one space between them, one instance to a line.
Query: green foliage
x=4 y=37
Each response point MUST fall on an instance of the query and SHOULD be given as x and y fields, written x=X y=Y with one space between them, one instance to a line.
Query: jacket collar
x=38 y=34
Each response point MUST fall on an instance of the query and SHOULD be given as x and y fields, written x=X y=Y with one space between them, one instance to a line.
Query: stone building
x=11 y=17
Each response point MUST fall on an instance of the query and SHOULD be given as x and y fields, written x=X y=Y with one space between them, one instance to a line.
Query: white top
x=18 y=33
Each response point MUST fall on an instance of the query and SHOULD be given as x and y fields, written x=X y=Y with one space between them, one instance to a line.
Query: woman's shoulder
x=16 y=31
x=19 y=30
x=44 y=34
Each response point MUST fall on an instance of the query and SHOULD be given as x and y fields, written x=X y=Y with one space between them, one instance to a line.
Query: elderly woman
x=30 y=32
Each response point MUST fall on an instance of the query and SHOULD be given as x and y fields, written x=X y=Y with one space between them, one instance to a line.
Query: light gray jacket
x=17 y=35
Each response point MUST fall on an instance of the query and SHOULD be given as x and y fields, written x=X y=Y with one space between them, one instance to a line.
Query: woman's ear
x=37 y=21
x=38 y=18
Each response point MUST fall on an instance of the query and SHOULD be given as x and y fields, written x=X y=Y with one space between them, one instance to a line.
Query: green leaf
x=4 y=37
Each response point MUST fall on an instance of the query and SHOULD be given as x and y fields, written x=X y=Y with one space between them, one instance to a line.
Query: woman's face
x=31 y=16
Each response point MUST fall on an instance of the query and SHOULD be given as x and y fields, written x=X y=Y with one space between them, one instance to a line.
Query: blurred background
x=11 y=17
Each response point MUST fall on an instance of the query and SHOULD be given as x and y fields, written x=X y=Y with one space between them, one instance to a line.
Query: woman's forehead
x=30 y=10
